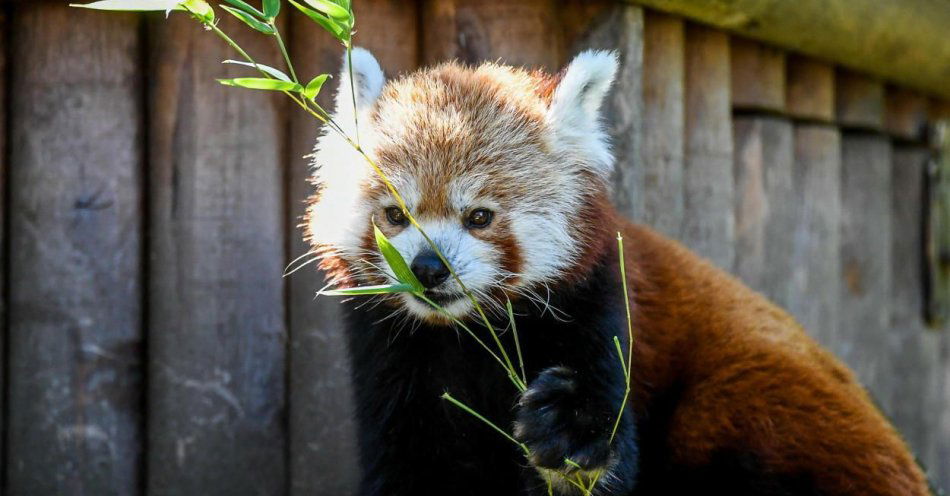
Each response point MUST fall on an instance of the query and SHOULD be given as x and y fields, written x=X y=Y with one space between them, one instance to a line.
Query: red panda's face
x=503 y=179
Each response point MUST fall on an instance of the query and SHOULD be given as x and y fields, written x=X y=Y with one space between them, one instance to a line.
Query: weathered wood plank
x=764 y=208
x=915 y=351
x=322 y=433
x=904 y=41
x=709 y=223
x=663 y=122
x=814 y=284
x=516 y=33
x=866 y=244
x=859 y=101
x=905 y=114
x=758 y=76
x=810 y=89
x=4 y=43
x=619 y=27
x=216 y=300
x=76 y=232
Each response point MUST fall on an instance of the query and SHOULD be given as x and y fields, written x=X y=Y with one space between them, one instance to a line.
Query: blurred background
x=151 y=344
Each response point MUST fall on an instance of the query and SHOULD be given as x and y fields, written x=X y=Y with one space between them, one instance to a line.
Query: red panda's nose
x=429 y=269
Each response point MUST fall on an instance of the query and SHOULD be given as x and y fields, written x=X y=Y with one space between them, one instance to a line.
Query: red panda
x=506 y=170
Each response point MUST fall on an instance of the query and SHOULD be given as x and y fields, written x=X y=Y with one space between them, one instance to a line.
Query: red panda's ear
x=368 y=78
x=574 y=114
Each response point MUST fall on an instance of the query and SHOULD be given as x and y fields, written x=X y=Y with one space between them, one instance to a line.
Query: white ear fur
x=368 y=78
x=574 y=114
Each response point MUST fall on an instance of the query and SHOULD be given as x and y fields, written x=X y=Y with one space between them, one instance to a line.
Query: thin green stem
x=283 y=51
x=349 y=65
x=514 y=330
x=448 y=397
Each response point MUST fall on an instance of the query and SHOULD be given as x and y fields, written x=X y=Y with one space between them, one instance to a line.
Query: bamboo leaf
x=331 y=9
x=266 y=68
x=338 y=31
x=396 y=262
x=131 y=5
x=369 y=290
x=313 y=87
x=249 y=20
x=246 y=7
x=262 y=84
x=271 y=8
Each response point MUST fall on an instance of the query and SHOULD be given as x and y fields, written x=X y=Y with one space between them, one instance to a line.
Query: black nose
x=429 y=269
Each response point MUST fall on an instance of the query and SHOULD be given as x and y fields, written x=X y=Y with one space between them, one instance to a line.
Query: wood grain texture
x=810 y=89
x=516 y=33
x=322 y=433
x=918 y=396
x=758 y=76
x=764 y=208
x=663 y=122
x=4 y=43
x=905 y=114
x=859 y=101
x=815 y=282
x=620 y=28
x=866 y=244
x=75 y=403
x=709 y=191
x=216 y=300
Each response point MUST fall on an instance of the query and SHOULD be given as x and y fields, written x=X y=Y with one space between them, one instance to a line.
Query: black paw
x=558 y=421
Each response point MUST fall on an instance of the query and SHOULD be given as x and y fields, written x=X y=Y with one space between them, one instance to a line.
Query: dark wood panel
x=663 y=122
x=765 y=200
x=758 y=76
x=76 y=231
x=859 y=101
x=709 y=191
x=814 y=285
x=905 y=114
x=216 y=301
x=620 y=28
x=4 y=29
x=866 y=243
x=810 y=89
x=915 y=350
x=472 y=31
x=322 y=433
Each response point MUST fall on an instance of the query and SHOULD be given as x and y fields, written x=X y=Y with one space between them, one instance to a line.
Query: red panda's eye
x=395 y=216
x=479 y=218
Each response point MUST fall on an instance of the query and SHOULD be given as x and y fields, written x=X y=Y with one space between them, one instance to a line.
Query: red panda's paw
x=563 y=427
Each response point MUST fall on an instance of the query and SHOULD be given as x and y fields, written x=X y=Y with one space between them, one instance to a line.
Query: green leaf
x=338 y=31
x=249 y=20
x=246 y=7
x=199 y=8
x=131 y=5
x=369 y=290
x=313 y=87
x=271 y=8
x=396 y=262
x=330 y=8
x=266 y=68
x=262 y=84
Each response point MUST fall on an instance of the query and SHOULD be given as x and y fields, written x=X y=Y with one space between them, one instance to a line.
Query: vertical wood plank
x=619 y=27
x=4 y=43
x=859 y=101
x=810 y=89
x=322 y=433
x=905 y=114
x=915 y=350
x=765 y=201
x=866 y=243
x=216 y=300
x=75 y=419
x=709 y=222
x=472 y=31
x=663 y=122
x=758 y=76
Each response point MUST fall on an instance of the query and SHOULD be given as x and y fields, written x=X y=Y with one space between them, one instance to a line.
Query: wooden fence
x=152 y=345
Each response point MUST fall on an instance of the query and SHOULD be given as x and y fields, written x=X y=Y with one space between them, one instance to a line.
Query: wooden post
x=709 y=224
x=918 y=397
x=814 y=283
x=866 y=238
x=905 y=114
x=758 y=76
x=322 y=435
x=216 y=301
x=76 y=232
x=472 y=31
x=4 y=29
x=663 y=122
